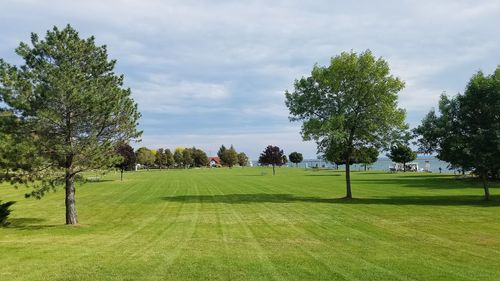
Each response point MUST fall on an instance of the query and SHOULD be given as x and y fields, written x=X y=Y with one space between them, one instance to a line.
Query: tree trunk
x=121 y=174
x=365 y=167
x=348 y=179
x=70 y=199
x=274 y=172
x=485 y=187
x=404 y=167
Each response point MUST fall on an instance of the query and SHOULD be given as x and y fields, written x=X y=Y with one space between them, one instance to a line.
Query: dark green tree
x=242 y=159
x=230 y=157
x=169 y=158
x=187 y=158
x=273 y=156
x=160 y=158
x=284 y=160
x=296 y=158
x=5 y=211
x=350 y=104
x=366 y=156
x=200 y=158
x=403 y=154
x=220 y=153
x=178 y=157
x=128 y=158
x=72 y=109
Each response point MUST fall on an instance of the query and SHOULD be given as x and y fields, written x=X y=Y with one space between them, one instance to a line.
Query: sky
x=206 y=73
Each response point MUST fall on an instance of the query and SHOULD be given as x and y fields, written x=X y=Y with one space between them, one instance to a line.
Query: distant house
x=214 y=162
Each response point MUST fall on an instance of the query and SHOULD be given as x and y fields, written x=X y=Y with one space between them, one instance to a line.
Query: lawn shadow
x=290 y=198
x=27 y=223
x=324 y=175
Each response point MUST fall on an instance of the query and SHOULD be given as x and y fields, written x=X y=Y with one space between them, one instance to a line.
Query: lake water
x=382 y=163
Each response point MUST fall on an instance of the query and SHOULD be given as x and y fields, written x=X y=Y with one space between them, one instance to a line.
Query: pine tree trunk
x=485 y=187
x=70 y=199
x=348 y=179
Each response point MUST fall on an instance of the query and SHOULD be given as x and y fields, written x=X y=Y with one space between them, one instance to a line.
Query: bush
x=4 y=211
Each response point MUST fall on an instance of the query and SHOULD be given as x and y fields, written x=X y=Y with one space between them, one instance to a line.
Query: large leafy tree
x=296 y=157
x=178 y=157
x=273 y=156
x=348 y=105
x=128 y=158
x=200 y=158
x=401 y=153
x=72 y=109
x=466 y=133
x=367 y=156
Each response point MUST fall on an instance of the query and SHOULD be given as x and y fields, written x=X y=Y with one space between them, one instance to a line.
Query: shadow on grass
x=432 y=182
x=290 y=198
x=324 y=175
x=27 y=223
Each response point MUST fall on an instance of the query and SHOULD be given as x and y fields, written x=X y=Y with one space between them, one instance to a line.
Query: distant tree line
x=180 y=158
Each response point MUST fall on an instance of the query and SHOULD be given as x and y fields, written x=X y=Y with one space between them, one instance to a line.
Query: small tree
x=242 y=159
x=367 y=156
x=230 y=157
x=145 y=157
x=128 y=158
x=187 y=158
x=169 y=157
x=72 y=107
x=178 y=157
x=272 y=155
x=220 y=154
x=284 y=160
x=296 y=158
x=402 y=154
x=160 y=158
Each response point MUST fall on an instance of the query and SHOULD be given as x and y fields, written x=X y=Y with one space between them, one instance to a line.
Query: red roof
x=214 y=158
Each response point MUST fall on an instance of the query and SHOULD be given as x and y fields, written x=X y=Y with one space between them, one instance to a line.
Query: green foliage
x=401 y=153
x=284 y=159
x=229 y=157
x=169 y=158
x=348 y=105
x=160 y=158
x=272 y=155
x=4 y=211
x=296 y=157
x=200 y=158
x=187 y=158
x=220 y=153
x=178 y=158
x=466 y=131
x=145 y=157
x=242 y=159
x=70 y=109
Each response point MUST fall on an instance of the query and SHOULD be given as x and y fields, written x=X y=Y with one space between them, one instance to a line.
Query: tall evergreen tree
x=72 y=108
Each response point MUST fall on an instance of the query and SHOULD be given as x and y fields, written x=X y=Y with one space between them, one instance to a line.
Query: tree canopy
x=348 y=105
x=272 y=155
x=295 y=157
x=401 y=153
x=466 y=133
x=72 y=109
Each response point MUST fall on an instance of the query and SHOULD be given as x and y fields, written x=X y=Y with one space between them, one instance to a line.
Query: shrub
x=4 y=211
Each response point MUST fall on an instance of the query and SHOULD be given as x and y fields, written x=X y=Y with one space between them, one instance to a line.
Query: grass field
x=241 y=224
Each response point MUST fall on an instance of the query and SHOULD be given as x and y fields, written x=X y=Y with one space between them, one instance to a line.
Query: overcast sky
x=207 y=73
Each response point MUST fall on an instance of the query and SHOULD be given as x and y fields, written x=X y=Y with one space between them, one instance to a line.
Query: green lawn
x=245 y=224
